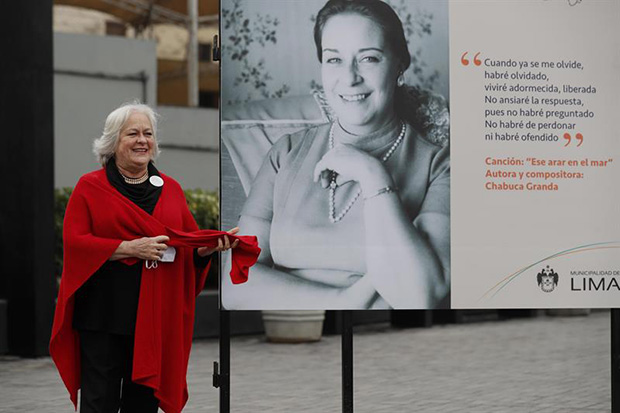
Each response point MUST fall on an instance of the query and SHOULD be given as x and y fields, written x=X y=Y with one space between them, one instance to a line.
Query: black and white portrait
x=335 y=152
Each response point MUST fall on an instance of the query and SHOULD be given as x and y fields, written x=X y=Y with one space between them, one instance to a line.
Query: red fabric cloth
x=98 y=218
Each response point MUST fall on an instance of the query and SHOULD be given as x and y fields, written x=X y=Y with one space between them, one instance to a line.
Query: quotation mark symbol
x=465 y=61
x=568 y=138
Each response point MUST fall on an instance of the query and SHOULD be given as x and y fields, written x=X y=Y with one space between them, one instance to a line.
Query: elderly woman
x=353 y=214
x=134 y=261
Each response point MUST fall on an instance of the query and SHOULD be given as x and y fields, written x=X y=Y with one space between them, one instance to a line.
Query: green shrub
x=61 y=198
x=204 y=205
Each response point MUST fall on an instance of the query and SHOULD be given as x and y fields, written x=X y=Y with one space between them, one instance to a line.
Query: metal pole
x=192 y=53
x=615 y=360
x=224 y=374
x=347 y=361
x=224 y=377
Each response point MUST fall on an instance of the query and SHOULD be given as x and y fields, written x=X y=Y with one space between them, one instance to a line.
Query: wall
x=190 y=146
x=88 y=72
x=95 y=74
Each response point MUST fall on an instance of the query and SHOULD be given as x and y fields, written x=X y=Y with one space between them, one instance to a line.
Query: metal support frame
x=158 y=14
x=221 y=372
x=615 y=360
x=347 y=361
x=224 y=374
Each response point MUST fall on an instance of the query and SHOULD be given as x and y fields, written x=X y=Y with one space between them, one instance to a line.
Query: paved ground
x=544 y=364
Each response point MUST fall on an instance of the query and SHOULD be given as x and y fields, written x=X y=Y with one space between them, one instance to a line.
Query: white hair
x=105 y=146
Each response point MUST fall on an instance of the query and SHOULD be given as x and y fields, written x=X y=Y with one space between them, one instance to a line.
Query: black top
x=108 y=300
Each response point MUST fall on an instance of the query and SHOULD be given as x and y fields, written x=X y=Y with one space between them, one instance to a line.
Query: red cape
x=98 y=218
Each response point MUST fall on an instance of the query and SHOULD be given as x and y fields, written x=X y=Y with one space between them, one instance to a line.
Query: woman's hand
x=352 y=164
x=146 y=248
x=223 y=244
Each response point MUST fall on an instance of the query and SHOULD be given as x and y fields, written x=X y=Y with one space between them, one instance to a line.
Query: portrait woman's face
x=135 y=142
x=359 y=72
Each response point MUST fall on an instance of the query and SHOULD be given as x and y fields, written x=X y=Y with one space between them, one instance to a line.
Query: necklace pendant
x=333 y=217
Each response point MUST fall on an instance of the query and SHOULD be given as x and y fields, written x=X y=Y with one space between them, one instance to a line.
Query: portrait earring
x=401 y=79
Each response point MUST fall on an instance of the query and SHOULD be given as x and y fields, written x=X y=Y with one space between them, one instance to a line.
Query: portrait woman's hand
x=352 y=164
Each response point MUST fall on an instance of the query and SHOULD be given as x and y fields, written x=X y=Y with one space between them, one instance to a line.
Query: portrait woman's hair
x=105 y=145
x=384 y=16
x=376 y=10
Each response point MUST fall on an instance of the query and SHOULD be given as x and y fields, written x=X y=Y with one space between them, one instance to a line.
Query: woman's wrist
x=123 y=250
x=376 y=178
x=204 y=251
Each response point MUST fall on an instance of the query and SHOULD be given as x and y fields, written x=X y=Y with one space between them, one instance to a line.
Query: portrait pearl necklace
x=332 y=184
x=135 y=181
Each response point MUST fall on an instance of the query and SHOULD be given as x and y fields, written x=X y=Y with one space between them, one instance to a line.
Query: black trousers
x=106 y=382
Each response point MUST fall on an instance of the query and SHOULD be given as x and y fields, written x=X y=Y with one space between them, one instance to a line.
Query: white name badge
x=169 y=255
x=156 y=181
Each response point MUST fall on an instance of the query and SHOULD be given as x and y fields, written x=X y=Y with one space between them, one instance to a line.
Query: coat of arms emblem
x=547 y=279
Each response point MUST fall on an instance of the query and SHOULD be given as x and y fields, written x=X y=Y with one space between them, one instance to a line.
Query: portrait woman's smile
x=359 y=73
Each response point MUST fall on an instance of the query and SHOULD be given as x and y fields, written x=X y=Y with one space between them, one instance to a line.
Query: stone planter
x=293 y=326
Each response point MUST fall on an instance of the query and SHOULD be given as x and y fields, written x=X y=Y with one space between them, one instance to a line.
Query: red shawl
x=98 y=218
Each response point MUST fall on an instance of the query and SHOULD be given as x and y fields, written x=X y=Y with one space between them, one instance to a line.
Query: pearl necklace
x=135 y=181
x=332 y=184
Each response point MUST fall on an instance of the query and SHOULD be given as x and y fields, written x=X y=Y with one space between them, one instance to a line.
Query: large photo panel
x=335 y=152
x=535 y=98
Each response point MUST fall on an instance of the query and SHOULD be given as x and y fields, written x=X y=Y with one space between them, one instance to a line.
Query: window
x=113 y=28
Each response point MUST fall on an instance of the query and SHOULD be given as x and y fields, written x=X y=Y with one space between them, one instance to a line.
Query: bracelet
x=384 y=190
